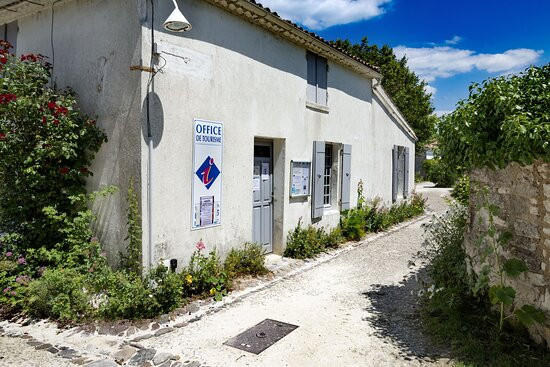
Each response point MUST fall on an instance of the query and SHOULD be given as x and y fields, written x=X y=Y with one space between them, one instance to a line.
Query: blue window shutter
x=346 y=176
x=406 y=189
x=321 y=81
x=317 y=205
x=311 y=94
x=394 y=173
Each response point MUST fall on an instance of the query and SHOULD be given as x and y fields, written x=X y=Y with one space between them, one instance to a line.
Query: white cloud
x=454 y=40
x=430 y=89
x=321 y=14
x=431 y=63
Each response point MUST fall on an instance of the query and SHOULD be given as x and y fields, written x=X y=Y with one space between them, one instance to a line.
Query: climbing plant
x=494 y=266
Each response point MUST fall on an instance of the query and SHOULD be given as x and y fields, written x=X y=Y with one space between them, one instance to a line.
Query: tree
x=505 y=119
x=407 y=91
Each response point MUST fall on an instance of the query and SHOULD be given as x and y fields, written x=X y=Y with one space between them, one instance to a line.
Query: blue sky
x=449 y=43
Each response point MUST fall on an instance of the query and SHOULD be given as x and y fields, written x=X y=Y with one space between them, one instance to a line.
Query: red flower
x=55 y=121
x=52 y=105
x=44 y=120
x=2 y=136
x=7 y=98
x=29 y=57
x=3 y=59
x=62 y=110
x=64 y=170
x=5 y=44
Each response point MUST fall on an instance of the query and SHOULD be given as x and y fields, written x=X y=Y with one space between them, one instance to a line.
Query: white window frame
x=327 y=175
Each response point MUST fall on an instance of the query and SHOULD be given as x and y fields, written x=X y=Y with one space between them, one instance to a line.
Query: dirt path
x=356 y=310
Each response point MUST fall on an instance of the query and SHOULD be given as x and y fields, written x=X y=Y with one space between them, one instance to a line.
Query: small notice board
x=300 y=179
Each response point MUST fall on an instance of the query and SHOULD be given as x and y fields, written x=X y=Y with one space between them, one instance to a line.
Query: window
x=400 y=175
x=316 y=79
x=400 y=171
x=327 y=178
x=10 y=35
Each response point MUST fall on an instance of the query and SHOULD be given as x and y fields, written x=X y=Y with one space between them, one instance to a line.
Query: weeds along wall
x=522 y=194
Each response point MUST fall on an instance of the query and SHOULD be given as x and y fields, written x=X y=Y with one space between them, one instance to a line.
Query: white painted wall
x=383 y=133
x=229 y=70
x=224 y=69
x=95 y=43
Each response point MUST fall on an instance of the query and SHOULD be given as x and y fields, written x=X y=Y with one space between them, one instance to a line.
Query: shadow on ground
x=396 y=317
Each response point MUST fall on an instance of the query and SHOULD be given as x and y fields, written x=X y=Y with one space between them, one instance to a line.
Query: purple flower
x=23 y=279
x=13 y=293
x=6 y=290
x=41 y=270
x=9 y=253
x=21 y=261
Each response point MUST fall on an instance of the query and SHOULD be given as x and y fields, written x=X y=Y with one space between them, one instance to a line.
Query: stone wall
x=523 y=196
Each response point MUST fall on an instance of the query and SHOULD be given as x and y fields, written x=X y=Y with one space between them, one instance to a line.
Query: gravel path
x=358 y=309
x=15 y=352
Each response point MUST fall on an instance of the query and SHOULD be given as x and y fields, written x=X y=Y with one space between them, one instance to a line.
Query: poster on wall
x=207 y=174
x=299 y=185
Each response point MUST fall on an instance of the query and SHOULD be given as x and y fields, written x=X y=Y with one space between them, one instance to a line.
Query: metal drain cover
x=262 y=336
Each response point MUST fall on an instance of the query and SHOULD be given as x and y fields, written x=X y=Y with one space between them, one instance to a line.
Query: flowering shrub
x=205 y=275
x=46 y=149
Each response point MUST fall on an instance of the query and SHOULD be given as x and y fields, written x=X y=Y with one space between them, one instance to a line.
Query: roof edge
x=272 y=22
x=386 y=100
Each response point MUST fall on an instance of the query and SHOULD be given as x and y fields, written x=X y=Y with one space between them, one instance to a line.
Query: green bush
x=70 y=295
x=461 y=190
x=303 y=243
x=438 y=172
x=355 y=223
x=352 y=223
x=248 y=260
x=450 y=285
x=46 y=148
x=505 y=119
x=60 y=294
x=333 y=239
x=125 y=295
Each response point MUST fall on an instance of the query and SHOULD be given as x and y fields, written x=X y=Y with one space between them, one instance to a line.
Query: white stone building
x=301 y=122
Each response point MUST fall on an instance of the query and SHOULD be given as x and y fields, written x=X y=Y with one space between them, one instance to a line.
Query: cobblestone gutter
x=523 y=196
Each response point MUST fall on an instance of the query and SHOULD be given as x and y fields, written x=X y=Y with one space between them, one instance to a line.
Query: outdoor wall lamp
x=177 y=22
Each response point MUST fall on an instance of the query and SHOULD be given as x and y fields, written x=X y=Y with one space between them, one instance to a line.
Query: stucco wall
x=382 y=134
x=95 y=43
x=226 y=69
x=523 y=196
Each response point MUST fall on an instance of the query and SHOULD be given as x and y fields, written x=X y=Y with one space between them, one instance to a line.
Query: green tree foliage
x=46 y=148
x=405 y=88
x=504 y=119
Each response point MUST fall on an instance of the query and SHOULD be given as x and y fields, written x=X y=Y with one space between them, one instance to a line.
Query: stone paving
x=151 y=342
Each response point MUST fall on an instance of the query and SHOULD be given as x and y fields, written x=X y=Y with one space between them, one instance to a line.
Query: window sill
x=331 y=211
x=317 y=107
